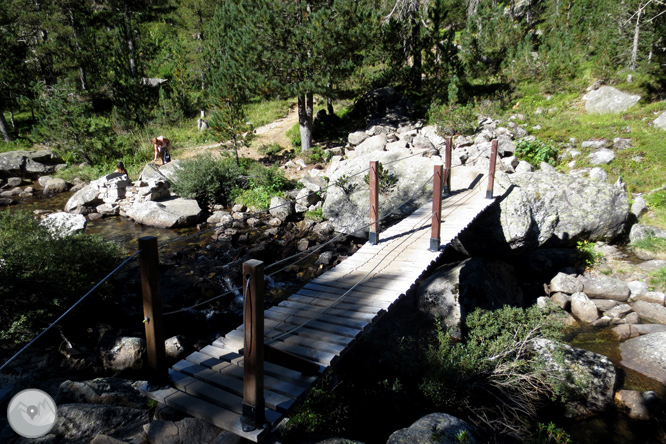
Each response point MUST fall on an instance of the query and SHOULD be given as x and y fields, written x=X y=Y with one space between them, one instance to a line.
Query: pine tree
x=232 y=72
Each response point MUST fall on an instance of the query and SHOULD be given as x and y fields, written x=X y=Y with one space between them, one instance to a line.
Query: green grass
x=21 y=135
x=652 y=244
x=658 y=279
x=262 y=112
x=640 y=166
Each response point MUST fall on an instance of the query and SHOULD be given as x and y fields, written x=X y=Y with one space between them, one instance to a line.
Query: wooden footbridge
x=247 y=389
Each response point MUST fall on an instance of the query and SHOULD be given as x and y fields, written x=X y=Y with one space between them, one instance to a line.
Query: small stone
x=624 y=332
x=583 y=308
x=634 y=402
x=565 y=283
x=562 y=300
x=632 y=318
x=302 y=244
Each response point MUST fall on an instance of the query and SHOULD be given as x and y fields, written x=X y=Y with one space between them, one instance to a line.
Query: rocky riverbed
x=522 y=252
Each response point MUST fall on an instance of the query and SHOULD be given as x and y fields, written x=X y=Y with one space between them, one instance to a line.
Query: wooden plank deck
x=319 y=323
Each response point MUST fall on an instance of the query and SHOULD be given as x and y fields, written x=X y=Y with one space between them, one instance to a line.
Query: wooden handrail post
x=373 y=234
x=436 y=208
x=447 y=166
x=152 y=311
x=491 y=172
x=253 y=413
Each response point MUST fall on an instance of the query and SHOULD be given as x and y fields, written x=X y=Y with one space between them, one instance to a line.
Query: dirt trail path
x=274 y=132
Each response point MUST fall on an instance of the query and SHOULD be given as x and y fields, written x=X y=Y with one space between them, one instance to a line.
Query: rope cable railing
x=69 y=310
x=365 y=277
x=310 y=252
x=313 y=250
x=411 y=233
x=421 y=222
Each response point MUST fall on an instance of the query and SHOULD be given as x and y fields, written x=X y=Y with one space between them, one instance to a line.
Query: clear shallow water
x=121 y=230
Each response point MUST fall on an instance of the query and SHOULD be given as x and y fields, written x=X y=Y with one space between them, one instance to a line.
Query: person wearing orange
x=162 y=145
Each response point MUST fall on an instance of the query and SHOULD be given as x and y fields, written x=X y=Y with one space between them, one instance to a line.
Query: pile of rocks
x=147 y=201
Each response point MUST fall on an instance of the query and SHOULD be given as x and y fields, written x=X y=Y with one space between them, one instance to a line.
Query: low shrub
x=492 y=376
x=41 y=275
x=262 y=185
x=208 y=180
x=586 y=257
x=535 y=152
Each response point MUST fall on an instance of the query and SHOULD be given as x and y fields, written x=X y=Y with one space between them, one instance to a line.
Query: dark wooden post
x=253 y=349
x=447 y=166
x=373 y=235
x=491 y=172
x=436 y=208
x=152 y=311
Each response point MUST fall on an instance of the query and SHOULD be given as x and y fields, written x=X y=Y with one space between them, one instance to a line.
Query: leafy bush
x=263 y=184
x=317 y=155
x=41 y=276
x=270 y=150
x=316 y=215
x=535 y=152
x=586 y=257
x=66 y=123
x=386 y=180
x=492 y=376
x=208 y=180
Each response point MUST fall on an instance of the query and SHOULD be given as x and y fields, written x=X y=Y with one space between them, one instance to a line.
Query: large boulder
x=30 y=164
x=589 y=374
x=647 y=355
x=651 y=311
x=281 y=208
x=185 y=431
x=374 y=143
x=604 y=287
x=170 y=170
x=347 y=203
x=110 y=391
x=122 y=353
x=79 y=423
x=607 y=99
x=62 y=225
x=54 y=185
x=641 y=232
x=175 y=212
x=435 y=428
x=545 y=210
x=583 y=308
x=452 y=292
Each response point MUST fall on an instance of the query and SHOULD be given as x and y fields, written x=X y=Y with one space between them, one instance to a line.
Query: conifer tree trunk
x=305 y=111
x=3 y=127
x=637 y=30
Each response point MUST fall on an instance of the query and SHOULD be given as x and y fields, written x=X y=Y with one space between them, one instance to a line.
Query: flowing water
x=611 y=428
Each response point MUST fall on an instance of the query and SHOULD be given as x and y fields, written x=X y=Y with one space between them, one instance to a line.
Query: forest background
x=83 y=77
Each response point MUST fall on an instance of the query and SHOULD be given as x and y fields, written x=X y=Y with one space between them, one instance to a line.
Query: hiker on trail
x=162 y=145
x=120 y=168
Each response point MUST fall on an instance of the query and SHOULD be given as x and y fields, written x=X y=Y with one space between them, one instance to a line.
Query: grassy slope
x=642 y=167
